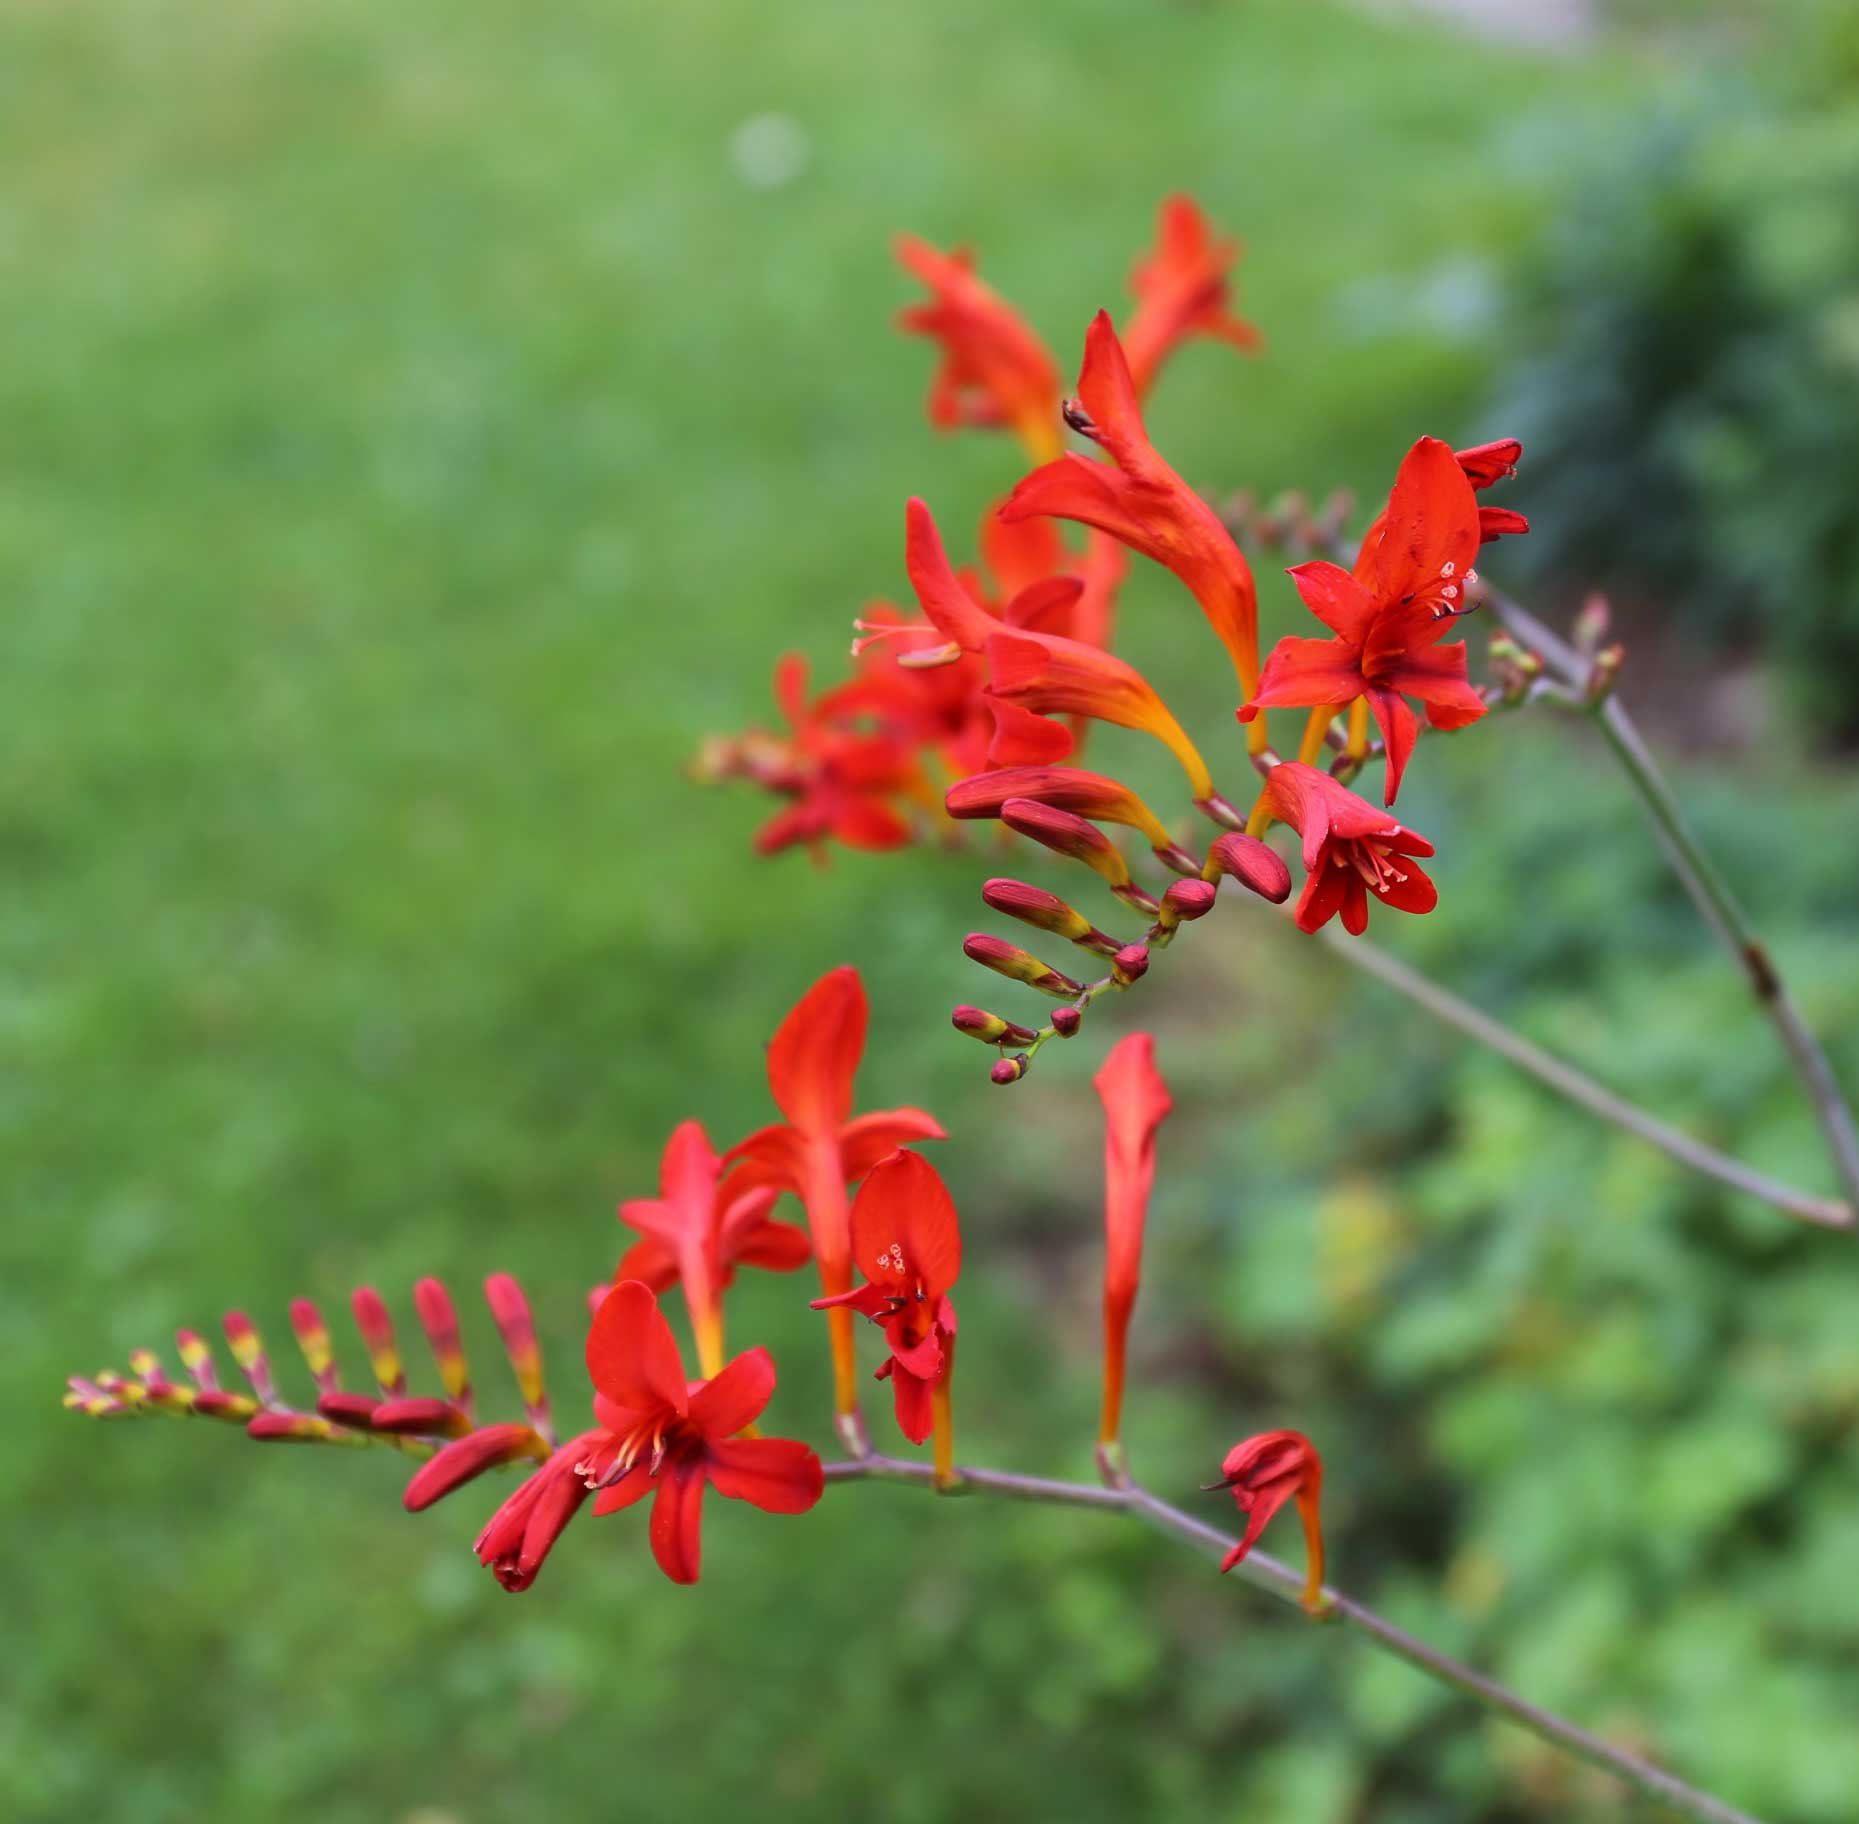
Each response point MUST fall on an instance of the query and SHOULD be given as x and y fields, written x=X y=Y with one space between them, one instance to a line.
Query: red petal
x=631 y=1353
x=1432 y=521
x=866 y=1140
x=1335 y=597
x=772 y=1158
x=653 y=1264
x=677 y=1520
x=954 y=613
x=1045 y=606
x=1499 y=522
x=1017 y=555
x=816 y=1052
x=722 y=1406
x=467 y=1458
x=1416 y=893
x=869 y=824
x=1399 y=729
x=1311 y=672
x=779 y=1247
x=1136 y=1103
x=635 y=1485
x=1322 y=898
x=1022 y=738
x=916 y=1412
x=904 y=1206
x=778 y=1475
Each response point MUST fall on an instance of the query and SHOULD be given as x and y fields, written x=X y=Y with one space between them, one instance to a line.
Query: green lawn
x=415 y=433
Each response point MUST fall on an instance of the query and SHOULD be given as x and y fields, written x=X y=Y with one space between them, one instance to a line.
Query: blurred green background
x=418 y=426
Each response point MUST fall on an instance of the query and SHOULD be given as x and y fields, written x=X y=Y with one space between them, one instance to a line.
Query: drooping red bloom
x=844 y=772
x=1264 y=1473
x=908 y=1244
x=822 y=1148
x=1136 y=1103
x=994 y=371
x=658 y=1434
x=1182 y=291
x=698 y=1229
x=1389 y=617
x=1138 y=499
x=1351 y=850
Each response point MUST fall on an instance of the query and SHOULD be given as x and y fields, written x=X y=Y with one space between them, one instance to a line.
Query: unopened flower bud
x=1066 y=833
x=1173 y=855
x=1018 y=965
x=1221 y=812
x=1008 y=1070
x=1130 y=963
x=1253 y=864
x=990 y=1028
x=1190 y=898
x=1591 y=624
x=1035 y=906
x=1066 y=1021
x=1605 y=673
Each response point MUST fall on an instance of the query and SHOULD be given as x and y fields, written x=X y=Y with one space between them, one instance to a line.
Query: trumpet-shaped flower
x=1182 y=290
x=1388 y=617
x=908 y=1244
x=1351 y=850
x=661 y=1436
x=1136 y=1103
x=1264 y=1473
x=822 y=1147
x=698 y=1229
x=1138 y=499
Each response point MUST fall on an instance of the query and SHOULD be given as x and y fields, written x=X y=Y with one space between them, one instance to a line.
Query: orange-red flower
x=908 y=1244
x=994 y=370
x=1182 y=291
x=1264 y=1473
x=1388 y=617
x=1351 y=850
x=698 y=1229
x=1136 y=1103
x=822 y=1148
x=1138 y=499
x=660 y=1435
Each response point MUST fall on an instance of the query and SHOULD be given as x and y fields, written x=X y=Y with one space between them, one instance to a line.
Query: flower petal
x=772 y=1158
x=866 y=1139
x=631 y=1353
x=905 y=1208
x=723 y=1405
x=952 y=611
x=677 y=1520
x=1335 y=597
x=1431 y=534
x=1399 y=728
x=778 y=1475
x=815 y=1053
x=1312 y=672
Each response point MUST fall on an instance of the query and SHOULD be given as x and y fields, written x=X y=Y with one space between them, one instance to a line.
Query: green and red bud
x=990 y=1028
x=1047 y=912
x=1130 y=964
x=1009 y=1070
x=1019 y=965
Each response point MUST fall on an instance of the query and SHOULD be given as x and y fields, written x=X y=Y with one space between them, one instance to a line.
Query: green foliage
x=1692 y=408
x=417 y=432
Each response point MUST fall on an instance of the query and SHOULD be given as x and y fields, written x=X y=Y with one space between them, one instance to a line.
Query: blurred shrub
x=1691 y=409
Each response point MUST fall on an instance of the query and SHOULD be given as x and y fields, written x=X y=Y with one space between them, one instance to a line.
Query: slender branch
x=1583 y=1090
x=1279 y=1580
x=1709 y=891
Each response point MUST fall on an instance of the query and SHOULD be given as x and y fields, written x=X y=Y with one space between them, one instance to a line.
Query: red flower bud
x=990 y=1028
x=1069 y=835
x=1190 y=898
x=1066 y=1021
x=1046 y=911
x=1019 y=965
x=1008 y=1070
x=1254 y=864
x=1130 y=963
x=1065 y=788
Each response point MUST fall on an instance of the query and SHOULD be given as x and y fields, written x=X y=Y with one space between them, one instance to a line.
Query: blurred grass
x=415 y=431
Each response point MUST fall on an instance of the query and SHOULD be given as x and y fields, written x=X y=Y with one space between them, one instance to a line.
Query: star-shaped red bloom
x=1389 y=616
x=1351 y=850
x=908 y=1244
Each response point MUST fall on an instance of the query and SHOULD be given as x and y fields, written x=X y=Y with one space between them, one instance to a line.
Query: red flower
x=698 y=1229
x=1484 y=466
x=843 y=778
x=1136 y=1103
x=1138 y=499
x=1387 y=618
x=1264 y=1473
x=909 y=1247
x=822 y=1148
x=1181 y=291
x=1350 y=850
x=995 y=371
x=659 y=1435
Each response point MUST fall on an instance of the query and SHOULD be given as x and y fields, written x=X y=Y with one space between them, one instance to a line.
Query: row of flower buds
x=392 y=1416
x=1047 y=804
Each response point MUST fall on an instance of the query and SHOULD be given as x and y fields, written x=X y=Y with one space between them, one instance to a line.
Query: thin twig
x=1709 y=891
x=1583 y=1090
x=1279 y=1580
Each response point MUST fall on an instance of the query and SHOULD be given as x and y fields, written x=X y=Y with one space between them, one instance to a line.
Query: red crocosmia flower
x=1052 y=676
x=1388 y=617
x=660 y=1435
x=843 y=778
x=1351 y=850
x=909 y=1247
x=1264 y=1473
x=698 y=1229
x=1138 y=499
x=995 y=371
x=822 y=1148
x=1136 y=1103
x=1182 y=290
